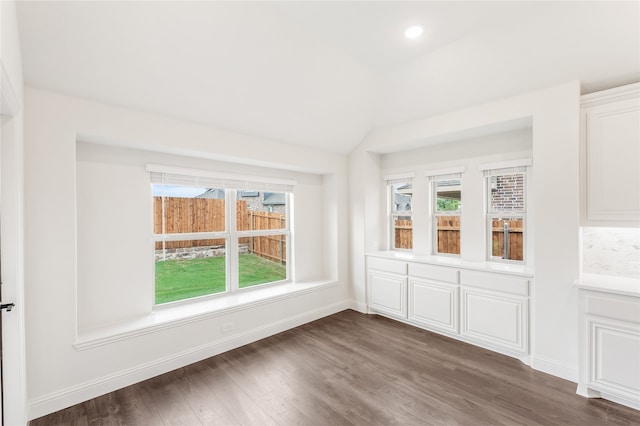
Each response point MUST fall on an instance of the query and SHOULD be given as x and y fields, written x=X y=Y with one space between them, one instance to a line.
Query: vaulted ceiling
x=321 y=74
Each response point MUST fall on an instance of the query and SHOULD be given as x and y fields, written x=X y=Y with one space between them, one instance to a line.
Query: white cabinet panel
x=434 y=305
x=610 y=148
x=615 y=366
x=388 y=293
x=494 y=319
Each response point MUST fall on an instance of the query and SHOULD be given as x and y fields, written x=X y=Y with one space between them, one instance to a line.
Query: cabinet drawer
x=610 y=306
x=495 y=282
x=431 y=272
x=387 y=265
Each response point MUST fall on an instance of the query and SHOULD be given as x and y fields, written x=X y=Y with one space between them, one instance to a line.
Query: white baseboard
x=586 y=392
x=555 y=368
x=73 y=395
x=631 y=403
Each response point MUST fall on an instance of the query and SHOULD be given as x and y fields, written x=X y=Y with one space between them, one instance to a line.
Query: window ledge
x=174 y=316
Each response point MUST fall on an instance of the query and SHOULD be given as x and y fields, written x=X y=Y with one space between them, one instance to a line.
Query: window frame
x=393 y=214
x=521 y=167
x=435 y=214
x=233 y=185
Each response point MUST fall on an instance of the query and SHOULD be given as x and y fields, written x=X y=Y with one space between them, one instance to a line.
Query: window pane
x=188 y=209
x=262 y=260
x=192 y=268
x=402 y=193
x=403 y=229
x=506 y=193
x=448 y=195
x=448 y=230
x=507 y=238
x=257 y=210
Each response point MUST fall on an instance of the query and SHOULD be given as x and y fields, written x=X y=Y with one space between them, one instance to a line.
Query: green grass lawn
x=184 y=279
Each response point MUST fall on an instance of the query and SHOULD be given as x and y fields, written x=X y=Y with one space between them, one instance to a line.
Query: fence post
x=505 y=243
x=253 y=242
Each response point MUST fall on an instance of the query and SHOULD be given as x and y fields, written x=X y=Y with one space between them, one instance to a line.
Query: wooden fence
x=404 y=234
x=449 y=236
x=515 y=239
x=272 y=247
x=187 y=215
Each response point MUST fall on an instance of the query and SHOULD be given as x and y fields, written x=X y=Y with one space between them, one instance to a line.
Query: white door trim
x=12 y=249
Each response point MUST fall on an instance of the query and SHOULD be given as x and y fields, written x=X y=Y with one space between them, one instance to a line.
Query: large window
x=214 y=235
x=400 y=192
x=506 y=213
x=446 y=211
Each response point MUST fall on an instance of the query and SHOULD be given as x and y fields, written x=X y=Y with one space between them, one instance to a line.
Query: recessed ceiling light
x=413 y=32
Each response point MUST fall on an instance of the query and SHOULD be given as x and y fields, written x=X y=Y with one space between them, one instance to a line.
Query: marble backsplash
x=611 y=251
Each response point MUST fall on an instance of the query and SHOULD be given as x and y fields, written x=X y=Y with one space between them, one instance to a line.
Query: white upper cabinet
x=610 y=157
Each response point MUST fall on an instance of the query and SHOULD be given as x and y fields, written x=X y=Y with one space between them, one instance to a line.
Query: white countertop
x=609 y=284
x=456 y=262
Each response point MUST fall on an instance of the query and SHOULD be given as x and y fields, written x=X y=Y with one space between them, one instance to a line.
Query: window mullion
x=263 y=233
x=233 y=246
x=189 y=236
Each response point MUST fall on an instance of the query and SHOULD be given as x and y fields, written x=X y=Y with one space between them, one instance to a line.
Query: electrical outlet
x=634 y=266
x=227 y=327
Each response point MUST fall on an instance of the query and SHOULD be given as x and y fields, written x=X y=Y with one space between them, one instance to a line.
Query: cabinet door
x=494 y=318
x=614 y=358
x=387 y=293
x=434 y=305
x=611 y=145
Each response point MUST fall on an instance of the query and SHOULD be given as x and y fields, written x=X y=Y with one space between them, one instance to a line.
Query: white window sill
x=174 y=316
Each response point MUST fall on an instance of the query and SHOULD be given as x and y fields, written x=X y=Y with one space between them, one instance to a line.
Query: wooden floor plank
x=162 y=395
x=233 y=397
x=350 y=369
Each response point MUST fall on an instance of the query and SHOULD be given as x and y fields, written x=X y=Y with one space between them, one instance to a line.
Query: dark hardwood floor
x=345 y=369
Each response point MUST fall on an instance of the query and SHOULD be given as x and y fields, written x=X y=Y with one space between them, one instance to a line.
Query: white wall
x=11 y=217
x=66 y=289
x=554 y=117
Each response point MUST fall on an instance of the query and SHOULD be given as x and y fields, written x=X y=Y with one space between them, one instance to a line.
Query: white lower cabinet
x=615 y=363
x=495 y=310
x=388 y=293
x=497 y=319
x=484 y=308
x=434 y=305
x=610 y=347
